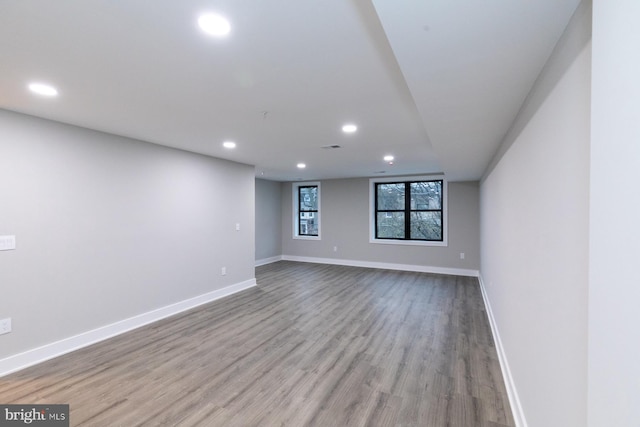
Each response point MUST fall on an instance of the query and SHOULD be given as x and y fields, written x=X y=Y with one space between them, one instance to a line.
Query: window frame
x=297 y=212
x=407 y=180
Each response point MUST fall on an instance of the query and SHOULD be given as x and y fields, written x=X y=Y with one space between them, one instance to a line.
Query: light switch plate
x=7 y=243
x=5 y=326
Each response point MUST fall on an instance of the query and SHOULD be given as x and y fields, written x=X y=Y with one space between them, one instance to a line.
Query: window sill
x=307 y=237
x=408 y=242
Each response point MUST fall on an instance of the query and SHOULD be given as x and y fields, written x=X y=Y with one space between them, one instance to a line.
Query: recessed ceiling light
x=43 y=89
x=349 y=128
x=214 y=24
x=229 y=144
x=388 y=158
x=301 y=166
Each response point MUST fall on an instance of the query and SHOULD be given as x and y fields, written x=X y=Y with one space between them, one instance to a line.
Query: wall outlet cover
x=7 y=243
x=5 y=326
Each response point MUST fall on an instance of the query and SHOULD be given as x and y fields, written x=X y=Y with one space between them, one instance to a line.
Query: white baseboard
x=49 y=351
x=514 y=400
x=385 y=265
x=266 y=261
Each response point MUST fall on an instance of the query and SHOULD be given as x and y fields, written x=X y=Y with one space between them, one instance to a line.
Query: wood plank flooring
x=312 y=345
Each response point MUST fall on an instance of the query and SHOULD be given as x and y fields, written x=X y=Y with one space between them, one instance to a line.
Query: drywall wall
x=108 y=228
x=268 y=220
x=534 y=238
x=614 y=291
x=345 y=225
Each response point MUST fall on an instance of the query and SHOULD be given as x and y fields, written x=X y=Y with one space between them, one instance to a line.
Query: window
x=409 y=212
x=306 y=207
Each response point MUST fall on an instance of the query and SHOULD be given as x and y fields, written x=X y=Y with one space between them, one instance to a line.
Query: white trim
x=445 y=211
x=385 y=265
x=308 y=237
x=49 y=351
x=270 y=260
x=406 y=242
x=512 y=392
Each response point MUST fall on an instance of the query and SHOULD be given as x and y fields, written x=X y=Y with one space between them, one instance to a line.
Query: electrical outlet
x=5 y=326
x=7 y=243
x=223 y=271
x=335 y=249
x=461 y=255
x=237 y=226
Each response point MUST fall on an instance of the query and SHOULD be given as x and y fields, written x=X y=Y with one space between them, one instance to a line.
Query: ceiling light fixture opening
x=229 y=144
x=349 y=128
x=43 y=89
x=301 y=165
x=214 y=24
x=388 y=158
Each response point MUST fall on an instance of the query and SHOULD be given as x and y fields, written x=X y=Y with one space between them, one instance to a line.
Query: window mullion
x=407 y=211
x=375 y=210
x=300 y=210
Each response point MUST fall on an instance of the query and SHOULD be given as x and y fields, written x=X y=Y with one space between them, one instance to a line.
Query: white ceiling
x=435 y=83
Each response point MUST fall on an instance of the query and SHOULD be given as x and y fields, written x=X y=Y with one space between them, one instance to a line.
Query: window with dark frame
x=308 y=210
x=410 y=210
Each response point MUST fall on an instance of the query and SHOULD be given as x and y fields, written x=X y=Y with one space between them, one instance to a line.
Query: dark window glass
x=409 y=210
x=308 y=210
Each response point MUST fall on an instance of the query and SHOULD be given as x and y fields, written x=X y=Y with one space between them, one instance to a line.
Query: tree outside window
x=306 y=206
x=410 y=210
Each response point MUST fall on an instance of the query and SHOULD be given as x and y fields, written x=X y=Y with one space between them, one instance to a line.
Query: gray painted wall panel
x=268 y=219
x=108 y=228
x=534 y=233
x=345 y=224
x=614 y=294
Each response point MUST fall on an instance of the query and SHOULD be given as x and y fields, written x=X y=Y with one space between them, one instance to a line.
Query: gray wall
x=345 y=224
x=534 y=234
x=108 y=228
x=268 y=219
x=614 y=285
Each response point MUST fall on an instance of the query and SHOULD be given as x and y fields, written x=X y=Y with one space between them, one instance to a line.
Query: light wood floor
x=312 y=345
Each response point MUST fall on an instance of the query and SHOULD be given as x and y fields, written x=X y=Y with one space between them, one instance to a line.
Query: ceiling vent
x=330 y=147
